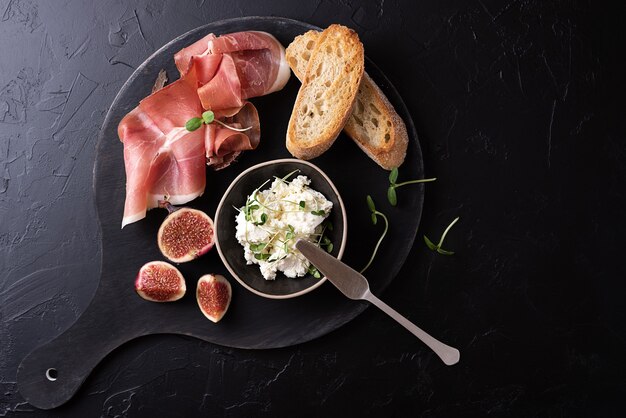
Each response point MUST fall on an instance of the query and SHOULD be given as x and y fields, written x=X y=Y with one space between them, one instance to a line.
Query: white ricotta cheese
x=272 y=220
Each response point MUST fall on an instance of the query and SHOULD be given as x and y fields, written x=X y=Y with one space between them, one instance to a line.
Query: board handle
x=52 y=373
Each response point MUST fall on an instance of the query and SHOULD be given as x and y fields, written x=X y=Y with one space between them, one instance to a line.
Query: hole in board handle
x=51 y=374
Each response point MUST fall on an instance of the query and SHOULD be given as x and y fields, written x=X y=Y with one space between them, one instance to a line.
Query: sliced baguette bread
x=374 y=124
x=328 y=92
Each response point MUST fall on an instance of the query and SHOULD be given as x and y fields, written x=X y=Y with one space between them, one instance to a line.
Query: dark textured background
x=519 y=107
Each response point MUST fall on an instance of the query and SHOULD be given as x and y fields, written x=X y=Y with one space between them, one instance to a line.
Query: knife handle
x=449 y=355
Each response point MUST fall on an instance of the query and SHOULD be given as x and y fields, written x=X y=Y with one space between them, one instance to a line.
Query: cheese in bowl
x=272 y=221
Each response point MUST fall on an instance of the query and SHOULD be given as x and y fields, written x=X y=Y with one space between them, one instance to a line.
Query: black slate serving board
x=117 y=315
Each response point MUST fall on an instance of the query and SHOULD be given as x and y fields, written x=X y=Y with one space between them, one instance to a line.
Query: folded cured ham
x=223 y=145
x=235 y=67
x=163 y=160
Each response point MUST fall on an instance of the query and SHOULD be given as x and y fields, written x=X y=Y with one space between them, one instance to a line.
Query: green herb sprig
x=312 y=270
x=323 y=242
x=393 y=185
x=375 y=214
x=207 y=118
x=248 y=209
x=327 y=243
x=261 y=221
x=437 y=247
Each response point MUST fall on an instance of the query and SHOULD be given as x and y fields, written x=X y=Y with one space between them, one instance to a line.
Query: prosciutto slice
x=182 y=58
x=259 y=58
x=162 y=159
x=251 y=64
x=223 y=91
x=165 y=161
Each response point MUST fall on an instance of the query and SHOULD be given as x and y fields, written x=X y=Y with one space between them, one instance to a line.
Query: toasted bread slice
x=328 y=92
x=374 y=124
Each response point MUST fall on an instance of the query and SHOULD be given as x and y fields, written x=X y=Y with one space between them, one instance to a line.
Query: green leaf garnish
x=248 y=209
x=314 y=271
x=258 y=247
x=329 y=247
x=374 y=219
x=260 y=256
x=302 y=204
x=429 y=243
x=391 y=196
x=444 y=252
x=262 y=220
x=318 y=212
x=393 y=178
x=208 y=116
x=437 y=247
x=370 y=204
x=193 y=124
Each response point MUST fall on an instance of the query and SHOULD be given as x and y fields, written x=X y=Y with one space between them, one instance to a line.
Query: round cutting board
x=116 y=314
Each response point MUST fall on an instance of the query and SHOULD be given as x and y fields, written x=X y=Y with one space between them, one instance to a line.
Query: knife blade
x=351 y=283
x=355 y=286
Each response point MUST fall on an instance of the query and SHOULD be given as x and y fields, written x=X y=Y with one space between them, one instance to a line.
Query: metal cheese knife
x=355 y=286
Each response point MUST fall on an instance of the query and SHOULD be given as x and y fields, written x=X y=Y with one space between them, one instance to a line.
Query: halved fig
x=158 y=281
x=213 y=295
x=185 y=234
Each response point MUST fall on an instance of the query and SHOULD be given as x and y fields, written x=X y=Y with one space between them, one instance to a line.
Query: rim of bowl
x=344 y=235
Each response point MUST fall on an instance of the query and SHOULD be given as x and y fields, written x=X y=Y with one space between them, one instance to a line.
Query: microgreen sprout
x=375 y=214
x=193 y=124
x=207 y=118
x=258 y=247
x=312 y=270
x=248 y=209
x=262 y=220
x=393 y=185
x=327 y=243
x=437 y=247
x=323 y=241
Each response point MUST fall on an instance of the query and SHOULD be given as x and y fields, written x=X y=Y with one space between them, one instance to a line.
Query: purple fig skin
x=213 y=295
x=185 y=234
x=158 y=281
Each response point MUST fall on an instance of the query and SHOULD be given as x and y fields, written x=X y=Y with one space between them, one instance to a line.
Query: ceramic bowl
x=232 y=253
